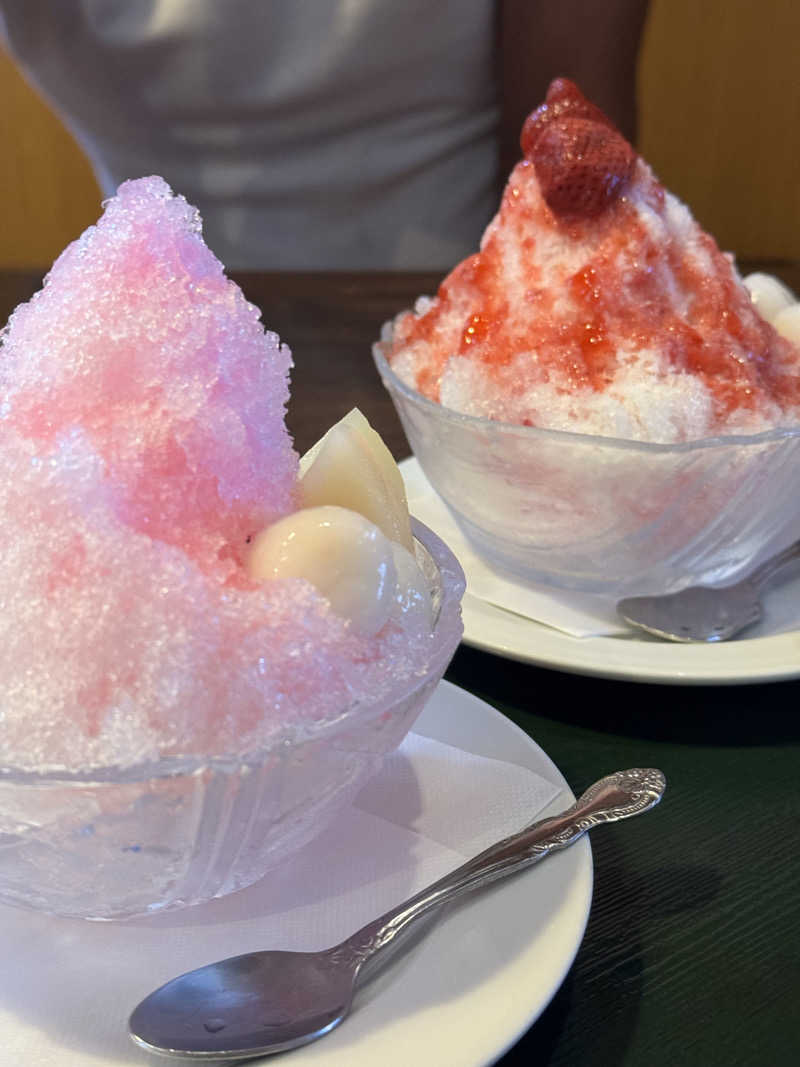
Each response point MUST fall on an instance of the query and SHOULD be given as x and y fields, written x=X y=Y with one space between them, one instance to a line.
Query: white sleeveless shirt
x=330 y=134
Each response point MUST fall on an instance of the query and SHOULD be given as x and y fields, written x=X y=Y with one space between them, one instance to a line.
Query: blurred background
x=719 y=120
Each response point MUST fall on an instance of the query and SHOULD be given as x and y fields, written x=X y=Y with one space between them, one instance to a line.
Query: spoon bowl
x=264 y=1002
x=228 y=1009
x=706 y=613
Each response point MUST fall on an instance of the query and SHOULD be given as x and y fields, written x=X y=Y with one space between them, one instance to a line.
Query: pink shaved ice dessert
x=597 y=305
x=142 y=447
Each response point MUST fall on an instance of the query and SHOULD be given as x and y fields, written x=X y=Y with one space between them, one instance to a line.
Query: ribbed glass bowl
x=604 y=515
x=119 y=842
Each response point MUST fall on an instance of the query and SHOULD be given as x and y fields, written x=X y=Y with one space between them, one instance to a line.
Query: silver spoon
x=265 y=1002
x=706 y=613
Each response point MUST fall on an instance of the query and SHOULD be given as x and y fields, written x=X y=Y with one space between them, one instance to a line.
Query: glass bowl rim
x=175 y=765
x=500 y=428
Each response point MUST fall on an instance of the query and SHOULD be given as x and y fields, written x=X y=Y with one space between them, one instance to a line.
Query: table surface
x=692 y=950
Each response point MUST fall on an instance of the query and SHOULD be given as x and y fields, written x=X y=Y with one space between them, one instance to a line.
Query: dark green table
x=692 y=951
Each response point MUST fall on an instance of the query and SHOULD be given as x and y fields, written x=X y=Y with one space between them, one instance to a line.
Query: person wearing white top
x=327 y=134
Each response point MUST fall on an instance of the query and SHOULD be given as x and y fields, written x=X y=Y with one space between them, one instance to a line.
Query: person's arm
x=593 y=42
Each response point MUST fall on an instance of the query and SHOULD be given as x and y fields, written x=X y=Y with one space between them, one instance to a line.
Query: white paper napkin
x=68 y=986
x=577 y=614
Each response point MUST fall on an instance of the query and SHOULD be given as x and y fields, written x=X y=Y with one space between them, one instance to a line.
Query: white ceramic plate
x=462 y=995
x=770 y=658
x=485 y=973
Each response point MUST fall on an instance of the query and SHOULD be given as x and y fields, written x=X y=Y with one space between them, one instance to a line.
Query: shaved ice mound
x=597 y=305
x=140 y=341
x=142 y=445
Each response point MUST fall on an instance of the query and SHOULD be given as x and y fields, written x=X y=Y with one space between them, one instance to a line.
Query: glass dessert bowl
x=119 y=842
x=600 y=514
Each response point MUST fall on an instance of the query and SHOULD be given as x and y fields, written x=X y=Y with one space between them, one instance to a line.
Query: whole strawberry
x=564 y=100
x=582 y=162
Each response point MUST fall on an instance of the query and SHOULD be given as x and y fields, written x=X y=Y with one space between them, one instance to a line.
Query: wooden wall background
x=719 y=100
x=48 y=194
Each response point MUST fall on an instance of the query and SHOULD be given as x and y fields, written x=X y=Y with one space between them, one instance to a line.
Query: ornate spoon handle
x=617 y=796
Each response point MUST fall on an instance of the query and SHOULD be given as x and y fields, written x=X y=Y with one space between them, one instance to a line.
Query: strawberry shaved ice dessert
x=597 y=396
x=597 y=304
x=143 y=450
